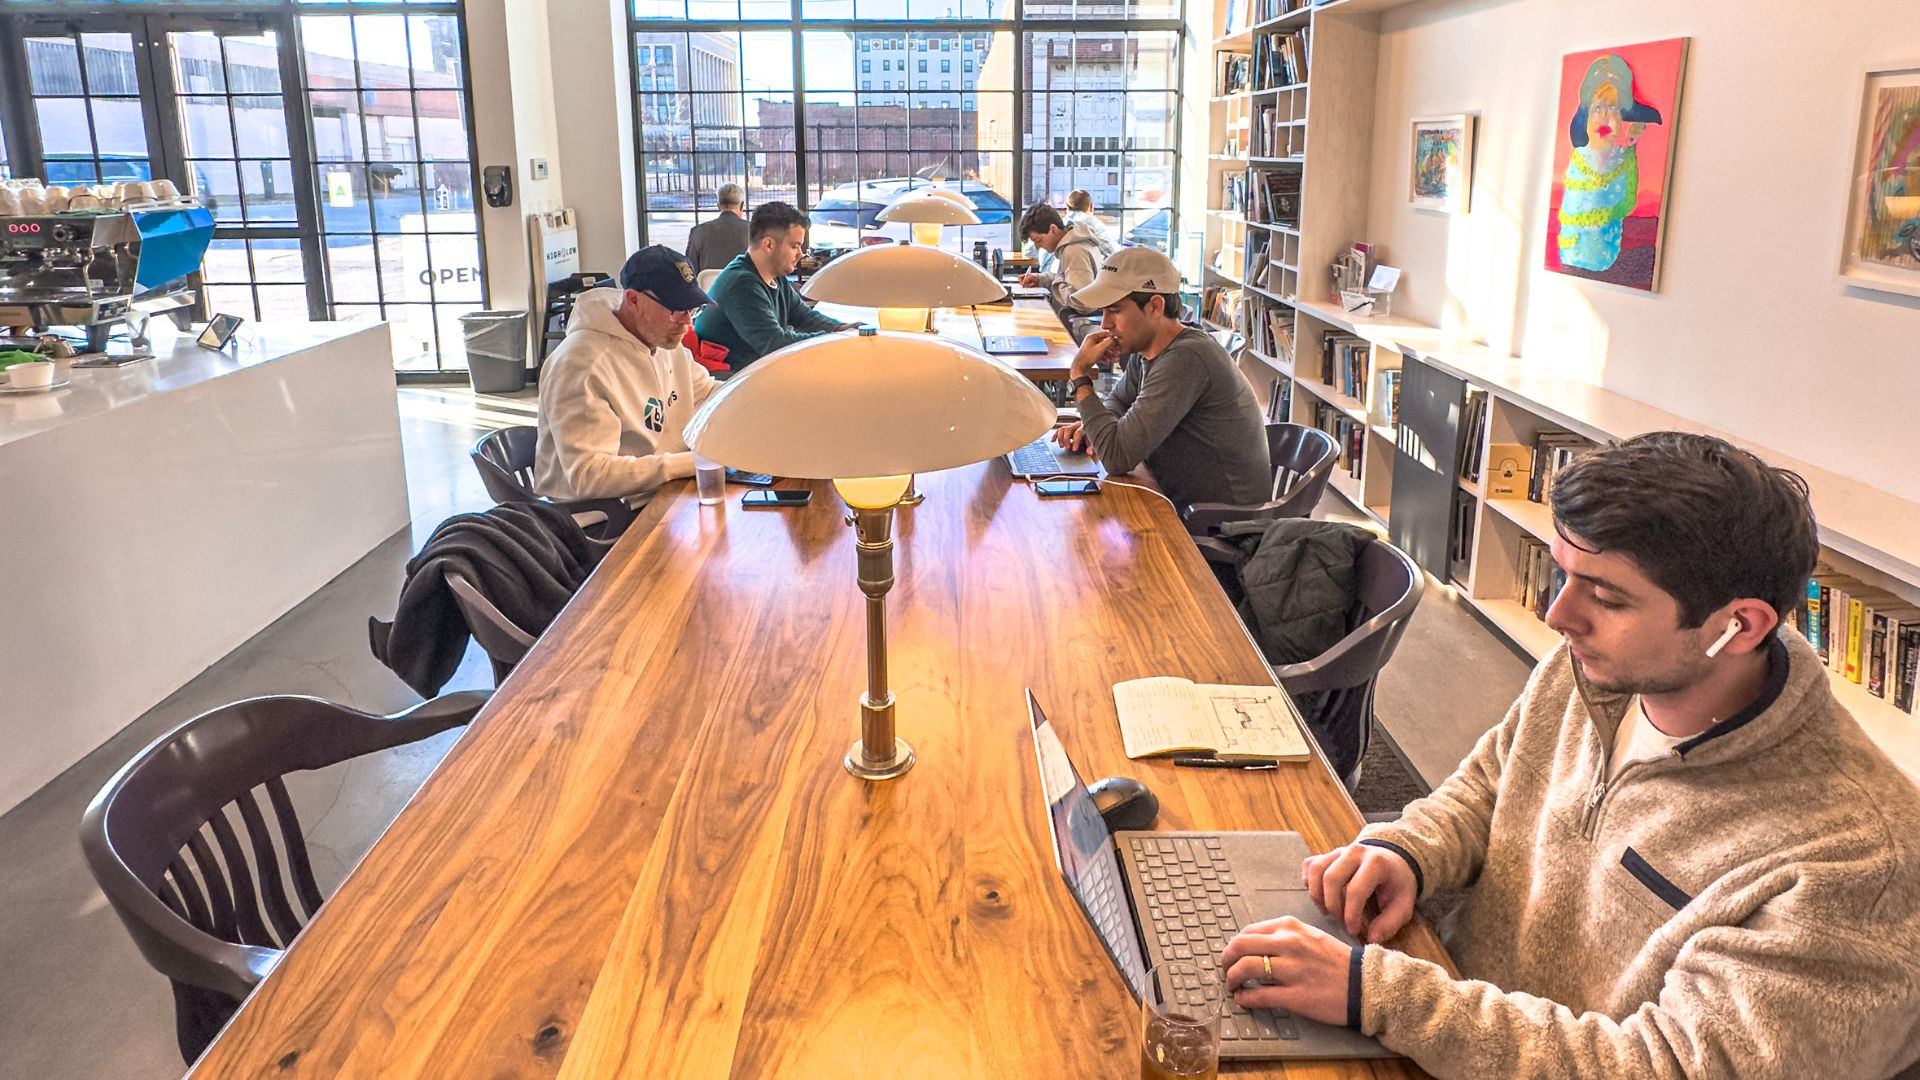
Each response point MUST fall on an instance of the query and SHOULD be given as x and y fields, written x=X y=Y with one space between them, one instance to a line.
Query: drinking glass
x=711 y=479
x=1180 y=1022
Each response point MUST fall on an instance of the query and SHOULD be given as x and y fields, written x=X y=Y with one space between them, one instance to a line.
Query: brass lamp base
x=913 y=497
x=866 y=768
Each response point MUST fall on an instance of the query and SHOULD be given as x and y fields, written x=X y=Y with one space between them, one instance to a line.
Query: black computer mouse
x=1124 y=803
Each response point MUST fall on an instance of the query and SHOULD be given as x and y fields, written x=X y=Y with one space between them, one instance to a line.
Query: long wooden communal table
x=1020 y=318
x=644 y=858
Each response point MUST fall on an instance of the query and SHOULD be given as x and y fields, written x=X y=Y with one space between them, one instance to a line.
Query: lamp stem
x=879 y=755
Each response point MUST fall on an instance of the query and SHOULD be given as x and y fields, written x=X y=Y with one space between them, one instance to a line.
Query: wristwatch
x=1079 y=381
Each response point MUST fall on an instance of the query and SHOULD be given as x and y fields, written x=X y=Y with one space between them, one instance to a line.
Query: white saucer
x=35 y=389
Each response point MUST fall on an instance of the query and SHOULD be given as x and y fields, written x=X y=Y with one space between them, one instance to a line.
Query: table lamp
x=906 y=282
x=928 y=210
x=867 y=411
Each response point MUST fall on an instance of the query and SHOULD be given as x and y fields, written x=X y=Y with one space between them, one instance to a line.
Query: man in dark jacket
x=713 y=244
x=756 y=308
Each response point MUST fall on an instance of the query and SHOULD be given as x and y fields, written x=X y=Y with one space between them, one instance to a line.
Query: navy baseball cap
x=667 y=275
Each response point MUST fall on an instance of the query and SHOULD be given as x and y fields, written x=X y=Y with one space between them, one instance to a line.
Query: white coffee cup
x=30 y=375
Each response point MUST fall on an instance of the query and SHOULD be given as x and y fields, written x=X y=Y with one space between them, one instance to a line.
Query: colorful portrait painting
x=1613 y=161
x=1442 y=163
x=1883 y=224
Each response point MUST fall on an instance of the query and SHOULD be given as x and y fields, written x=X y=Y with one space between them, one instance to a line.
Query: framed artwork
x=1441 y=176
x=1882 y=246
x=1613 y=161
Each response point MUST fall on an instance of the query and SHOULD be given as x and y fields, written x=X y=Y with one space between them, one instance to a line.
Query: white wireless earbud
x=1733 y=627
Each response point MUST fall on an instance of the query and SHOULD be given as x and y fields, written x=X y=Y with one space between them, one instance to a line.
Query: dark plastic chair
x=1303 y=460
x=217 y=923
x=505 y=461
x=503 y=641
x=1335 y=689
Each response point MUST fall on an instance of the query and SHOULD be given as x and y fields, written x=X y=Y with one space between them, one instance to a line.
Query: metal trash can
x=496 y=350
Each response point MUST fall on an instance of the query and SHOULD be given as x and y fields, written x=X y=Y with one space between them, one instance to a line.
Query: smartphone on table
x=751 y=479
x=1050 y=488
x=767 y=499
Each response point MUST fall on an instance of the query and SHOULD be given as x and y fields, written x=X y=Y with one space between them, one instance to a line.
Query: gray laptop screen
x=1085 y=851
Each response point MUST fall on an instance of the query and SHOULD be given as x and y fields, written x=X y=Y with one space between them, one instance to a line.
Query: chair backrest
x=1336 y=687
x=505 y=461
x=1303 y=459
x=207 y=909
x=707 y=278
x=504 y=642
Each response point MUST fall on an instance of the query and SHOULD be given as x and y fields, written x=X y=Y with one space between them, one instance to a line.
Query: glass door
x=232 y=137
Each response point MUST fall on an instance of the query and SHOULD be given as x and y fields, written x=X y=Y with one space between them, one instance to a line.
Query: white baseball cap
x=1127 y=271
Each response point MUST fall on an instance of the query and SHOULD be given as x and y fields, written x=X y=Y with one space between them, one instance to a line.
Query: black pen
x=1207 y=761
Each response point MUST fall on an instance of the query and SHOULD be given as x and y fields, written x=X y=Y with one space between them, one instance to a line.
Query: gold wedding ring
x=1266 y=967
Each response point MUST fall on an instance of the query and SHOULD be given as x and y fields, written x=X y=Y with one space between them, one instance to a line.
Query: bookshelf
x=1867 y=534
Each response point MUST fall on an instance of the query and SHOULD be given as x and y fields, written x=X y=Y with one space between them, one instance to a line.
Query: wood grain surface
x=644 y=859
x=1021 y=317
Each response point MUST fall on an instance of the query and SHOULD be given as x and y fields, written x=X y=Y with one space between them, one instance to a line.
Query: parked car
x=1155 y=232
x=849 y=215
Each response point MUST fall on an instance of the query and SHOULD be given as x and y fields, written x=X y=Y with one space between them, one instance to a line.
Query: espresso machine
x=107 y=262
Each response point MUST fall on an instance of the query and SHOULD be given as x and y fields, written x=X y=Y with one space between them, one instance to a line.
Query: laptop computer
x=1155 y=897
x=1013 y=344
x=1041 y=459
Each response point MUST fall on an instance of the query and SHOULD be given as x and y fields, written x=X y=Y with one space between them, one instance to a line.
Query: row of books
x=1349 y=435
x=1280 y=59
x=1233 y=190
x=1280 y=401
x=1269 y=330
x=1865 y=635
x=1273 y=196
x=1386 y=397
x=1271 y=134
x=1553 y=451
x=1232 y=73
x=1460 y=549
x=1473 y=434
x=1540 y=578
x=1345 y=362
x=1242 y=13
x=1220 y=305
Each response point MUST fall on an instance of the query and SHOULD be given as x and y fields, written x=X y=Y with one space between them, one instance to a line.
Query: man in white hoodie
x=618 y=392
x=1076 y=254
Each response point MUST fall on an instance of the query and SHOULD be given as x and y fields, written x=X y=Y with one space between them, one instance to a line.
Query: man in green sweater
x=756 y=308
x=1681 y=856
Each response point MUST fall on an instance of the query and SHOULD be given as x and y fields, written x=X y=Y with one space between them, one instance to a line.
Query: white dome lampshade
x=948 y=193
x=905 y=281
x=868 y=405
x=928 y=210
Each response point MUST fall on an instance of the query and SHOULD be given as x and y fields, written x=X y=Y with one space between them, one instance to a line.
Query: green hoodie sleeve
x=754 y=314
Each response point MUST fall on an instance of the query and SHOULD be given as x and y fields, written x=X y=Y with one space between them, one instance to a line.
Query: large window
x=332 y=143
x=1030 y=100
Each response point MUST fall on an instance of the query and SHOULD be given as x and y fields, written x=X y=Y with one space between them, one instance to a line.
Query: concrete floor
x=78 y=1002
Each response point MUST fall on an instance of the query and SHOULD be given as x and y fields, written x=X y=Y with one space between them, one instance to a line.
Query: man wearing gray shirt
x=1182 y=407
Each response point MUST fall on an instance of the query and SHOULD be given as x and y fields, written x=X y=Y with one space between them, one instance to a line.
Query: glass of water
x=710 y=477
x=1180 y=1022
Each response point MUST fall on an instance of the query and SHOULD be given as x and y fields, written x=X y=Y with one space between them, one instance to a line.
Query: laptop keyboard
x=1034 y=459
x=1191 y=895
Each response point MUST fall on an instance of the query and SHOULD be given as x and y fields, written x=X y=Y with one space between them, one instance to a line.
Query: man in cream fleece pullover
x=617 y=393
x=1682 y=857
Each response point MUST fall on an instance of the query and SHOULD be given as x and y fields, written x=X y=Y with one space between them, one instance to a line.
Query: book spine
x=1816 y=626
x=1856 y=612
x=1877 y=657
x=1837 y=636
x=1909 y=666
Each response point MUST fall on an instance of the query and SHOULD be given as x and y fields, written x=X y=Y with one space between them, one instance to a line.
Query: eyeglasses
x=676 y=312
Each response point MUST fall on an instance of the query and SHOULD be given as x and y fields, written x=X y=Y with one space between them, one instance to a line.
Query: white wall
x=513 y=121
x=1750 y=331
x=594 y=105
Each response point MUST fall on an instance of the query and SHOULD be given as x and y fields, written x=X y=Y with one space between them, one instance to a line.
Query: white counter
x=154 y=517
